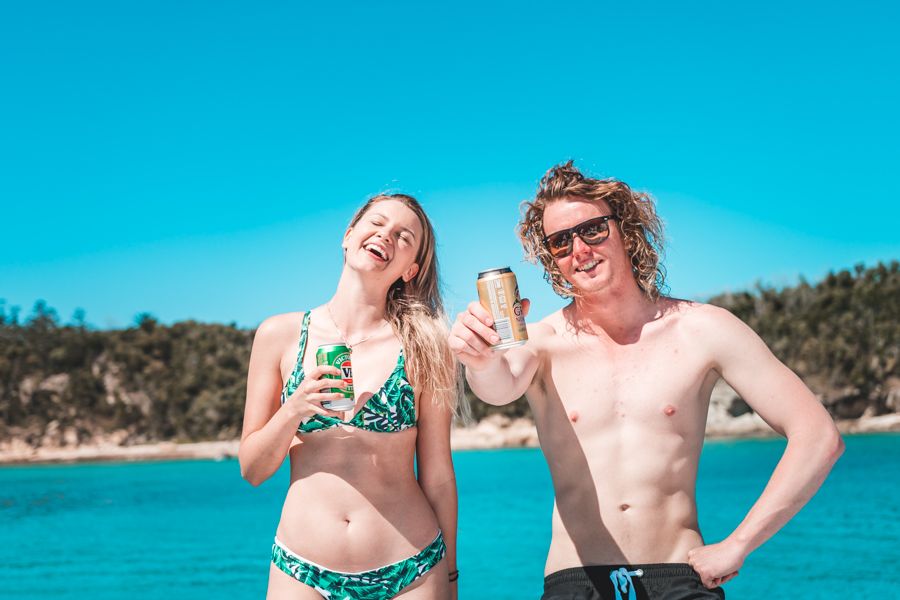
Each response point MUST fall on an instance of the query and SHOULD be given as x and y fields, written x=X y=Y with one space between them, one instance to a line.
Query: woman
x=357 y=521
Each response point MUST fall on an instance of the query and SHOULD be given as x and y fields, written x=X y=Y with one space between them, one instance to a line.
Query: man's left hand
x=716 y=563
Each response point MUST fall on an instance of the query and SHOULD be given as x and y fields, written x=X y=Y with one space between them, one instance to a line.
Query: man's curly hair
x=636 y=217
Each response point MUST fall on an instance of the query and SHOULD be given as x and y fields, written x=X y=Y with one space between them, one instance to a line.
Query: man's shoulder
x=691 y=312
x=701 y=320
x=548 y=326
x=541 y=334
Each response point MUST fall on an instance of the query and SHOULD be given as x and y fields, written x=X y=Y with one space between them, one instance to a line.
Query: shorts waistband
x=650 y=571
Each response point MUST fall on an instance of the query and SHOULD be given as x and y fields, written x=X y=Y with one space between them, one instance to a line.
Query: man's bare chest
x=663 y=386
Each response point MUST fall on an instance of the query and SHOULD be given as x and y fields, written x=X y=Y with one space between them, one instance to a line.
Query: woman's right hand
x=307 y=399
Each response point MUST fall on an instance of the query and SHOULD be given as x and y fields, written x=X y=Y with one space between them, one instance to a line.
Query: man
x=619 y=383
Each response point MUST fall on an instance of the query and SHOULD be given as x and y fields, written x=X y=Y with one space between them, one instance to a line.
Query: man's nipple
x=669 y=410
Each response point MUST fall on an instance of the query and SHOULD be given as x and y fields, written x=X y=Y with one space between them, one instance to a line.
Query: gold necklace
x=344 y=336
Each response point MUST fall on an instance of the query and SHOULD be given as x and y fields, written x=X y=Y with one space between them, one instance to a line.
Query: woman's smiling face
x=385 y=239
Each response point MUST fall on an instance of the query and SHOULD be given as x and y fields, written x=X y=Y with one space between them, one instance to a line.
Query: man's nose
x=578 y=245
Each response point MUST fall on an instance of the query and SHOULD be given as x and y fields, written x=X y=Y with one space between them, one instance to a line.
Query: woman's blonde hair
x=635 y=213
x=416 y=312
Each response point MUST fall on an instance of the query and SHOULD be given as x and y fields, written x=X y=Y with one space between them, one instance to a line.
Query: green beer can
x=338 y=356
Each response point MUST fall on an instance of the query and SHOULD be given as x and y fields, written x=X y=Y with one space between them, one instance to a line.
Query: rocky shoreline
x=729 y=418
x=492 y=432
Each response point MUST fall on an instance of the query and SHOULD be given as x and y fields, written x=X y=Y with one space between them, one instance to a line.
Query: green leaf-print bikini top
x=392 y=408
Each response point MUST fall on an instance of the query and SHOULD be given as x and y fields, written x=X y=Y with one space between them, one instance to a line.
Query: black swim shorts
x=664 y=581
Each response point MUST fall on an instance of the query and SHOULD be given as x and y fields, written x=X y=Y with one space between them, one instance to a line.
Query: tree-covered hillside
x=842 y=335
x=68 y=383
x=148 y=382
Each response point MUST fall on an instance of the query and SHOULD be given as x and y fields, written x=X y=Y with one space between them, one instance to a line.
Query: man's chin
x=588 y=286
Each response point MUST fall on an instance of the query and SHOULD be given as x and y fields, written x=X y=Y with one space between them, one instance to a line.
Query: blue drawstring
x=621 y=580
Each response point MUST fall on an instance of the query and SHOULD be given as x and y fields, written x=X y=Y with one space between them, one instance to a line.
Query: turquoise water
x=197 y=530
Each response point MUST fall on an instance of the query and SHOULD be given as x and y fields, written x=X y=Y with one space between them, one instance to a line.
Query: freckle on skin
x=669 y=410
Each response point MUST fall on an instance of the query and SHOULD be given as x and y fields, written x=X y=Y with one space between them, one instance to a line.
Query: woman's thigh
x=433 y=585
x=284 y=587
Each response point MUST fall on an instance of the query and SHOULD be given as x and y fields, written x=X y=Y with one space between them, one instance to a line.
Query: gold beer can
x=498 y=292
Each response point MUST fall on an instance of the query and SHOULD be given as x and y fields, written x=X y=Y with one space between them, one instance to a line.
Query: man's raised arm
x=496 y=376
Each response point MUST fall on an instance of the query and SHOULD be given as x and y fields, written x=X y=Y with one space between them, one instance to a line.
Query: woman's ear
x=410 y=272
x=346 y=237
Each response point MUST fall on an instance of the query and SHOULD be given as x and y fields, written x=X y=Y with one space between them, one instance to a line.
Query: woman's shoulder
x=279 y=328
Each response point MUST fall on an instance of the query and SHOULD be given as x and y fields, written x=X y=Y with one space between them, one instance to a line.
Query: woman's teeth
x=376 y=250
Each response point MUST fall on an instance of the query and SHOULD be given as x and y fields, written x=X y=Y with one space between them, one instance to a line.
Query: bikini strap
x=304 y=330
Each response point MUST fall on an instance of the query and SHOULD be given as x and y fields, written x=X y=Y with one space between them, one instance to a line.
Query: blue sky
x=200 y=160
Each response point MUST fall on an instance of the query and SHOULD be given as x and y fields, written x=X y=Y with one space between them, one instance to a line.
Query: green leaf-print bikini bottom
x=377 y=584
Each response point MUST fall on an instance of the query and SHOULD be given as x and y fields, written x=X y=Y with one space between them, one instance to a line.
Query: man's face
x=590 y=268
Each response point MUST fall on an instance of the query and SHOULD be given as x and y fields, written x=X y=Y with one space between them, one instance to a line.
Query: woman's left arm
x=435 y=473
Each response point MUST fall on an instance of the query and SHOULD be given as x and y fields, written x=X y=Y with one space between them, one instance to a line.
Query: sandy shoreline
x=492 y=432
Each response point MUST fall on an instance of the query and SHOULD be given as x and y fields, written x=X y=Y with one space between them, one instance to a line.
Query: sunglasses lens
x=594 y=231
x=558 y=243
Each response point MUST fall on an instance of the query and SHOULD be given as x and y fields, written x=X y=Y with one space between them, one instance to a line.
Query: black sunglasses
x=592 y=232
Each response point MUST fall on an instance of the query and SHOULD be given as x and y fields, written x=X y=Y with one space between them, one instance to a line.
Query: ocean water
x=195 y=529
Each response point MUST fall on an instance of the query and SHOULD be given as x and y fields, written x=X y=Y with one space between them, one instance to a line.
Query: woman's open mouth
x=376 y=251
